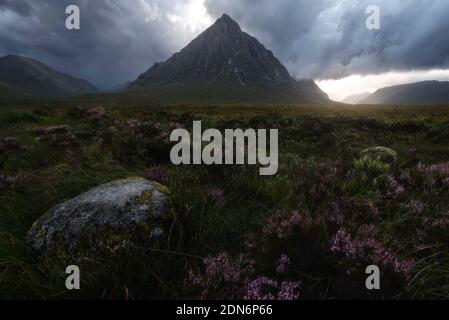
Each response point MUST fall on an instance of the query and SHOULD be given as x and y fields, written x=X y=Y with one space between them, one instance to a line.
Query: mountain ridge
x=417 y=93
x=32 y=77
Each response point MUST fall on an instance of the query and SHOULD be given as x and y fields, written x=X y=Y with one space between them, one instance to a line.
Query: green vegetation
x=329 y=196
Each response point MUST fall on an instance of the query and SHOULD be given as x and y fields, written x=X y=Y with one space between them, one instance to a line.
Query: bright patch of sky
x=339 y=89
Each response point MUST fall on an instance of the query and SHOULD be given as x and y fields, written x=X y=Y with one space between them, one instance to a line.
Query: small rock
x=8 y=144
x=62 y=129
x=66 y=141
x=133 y=123
x=95 y=225
x=97 y=113
x=7 y=182
x=38 y=131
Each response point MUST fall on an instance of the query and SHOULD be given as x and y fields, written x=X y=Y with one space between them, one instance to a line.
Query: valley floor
x=308 y=232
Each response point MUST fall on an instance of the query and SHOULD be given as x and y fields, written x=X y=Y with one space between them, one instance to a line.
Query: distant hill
x=31 y=77
x=356 y=98
x=426 y=92
x=117 y=88
x=226 y=64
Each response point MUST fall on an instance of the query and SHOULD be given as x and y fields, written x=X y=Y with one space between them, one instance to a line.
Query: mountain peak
x=223 y=52
x=226 y=19
x=226 y=24
x=225 y=55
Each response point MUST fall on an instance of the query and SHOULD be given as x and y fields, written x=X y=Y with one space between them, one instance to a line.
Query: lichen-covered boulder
x=114 y=216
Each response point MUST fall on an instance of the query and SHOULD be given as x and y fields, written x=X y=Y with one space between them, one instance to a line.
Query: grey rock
x=9 y=144
x=58 y=129
x=111 y=217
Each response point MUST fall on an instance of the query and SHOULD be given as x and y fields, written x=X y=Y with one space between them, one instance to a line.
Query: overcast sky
x=322 y=39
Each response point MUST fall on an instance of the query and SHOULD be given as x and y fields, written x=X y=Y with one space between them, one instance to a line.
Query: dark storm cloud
x=328 y=38
x=314 y=38
x=117 y=40
x=23 y=8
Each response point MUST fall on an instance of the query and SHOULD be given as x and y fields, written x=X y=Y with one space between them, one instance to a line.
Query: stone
x=53 y=130
x=104 y=220
x=61 y=129
x=97 y=113
x=66 y=141
x=7 y=182
x=8 y=144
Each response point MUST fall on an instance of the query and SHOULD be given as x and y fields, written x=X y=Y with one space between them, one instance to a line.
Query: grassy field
x=308 y=233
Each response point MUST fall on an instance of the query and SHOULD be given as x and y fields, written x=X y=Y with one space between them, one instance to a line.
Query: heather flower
x=367 y=248
x=264 y=288
x=283 y=262
x=416 y=206
x=284 y=227
x=223 y=277
x=353 y=211
x=434 y=174
x=399 y=189
x=317 y=182
x=394 y=187
x=261 y=288
x=343 y=243
x=288 y=291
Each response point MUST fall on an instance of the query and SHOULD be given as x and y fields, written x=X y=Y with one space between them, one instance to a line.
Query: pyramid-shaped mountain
x=225 y=63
